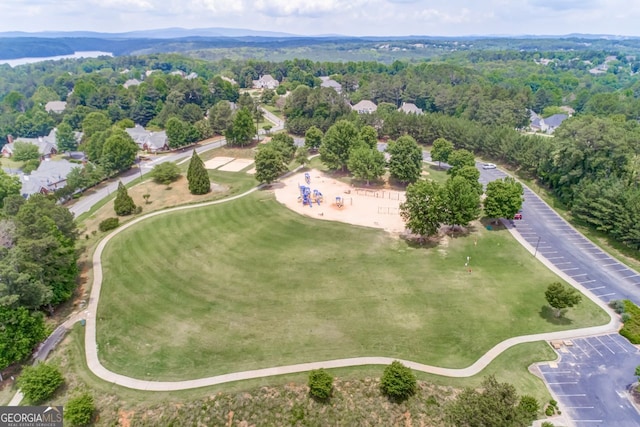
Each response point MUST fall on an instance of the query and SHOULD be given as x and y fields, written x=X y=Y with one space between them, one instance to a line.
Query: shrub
x=617 y=305
x=553 y=403
x=123 y=204
x=197 y=176
x=165 y=173
x=546 y=424
x=109 y=224
x=30 y=165
x=529 y=406
x=320 y=384
x=137 y=210
x=549 y=411
x=625 y=317
x=398 y=382
x=38 y=383
x=631 y=328
x=79 y=410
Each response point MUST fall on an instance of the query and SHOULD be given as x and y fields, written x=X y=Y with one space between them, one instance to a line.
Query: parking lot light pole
x=537 y=244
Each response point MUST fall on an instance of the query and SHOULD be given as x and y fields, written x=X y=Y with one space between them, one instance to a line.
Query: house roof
x=143 y=137
x=131 y=82
x=555 y=120
x=51 y=175
x=365 y=106
x=329 y=82
x=410 y=108
x=55 y=106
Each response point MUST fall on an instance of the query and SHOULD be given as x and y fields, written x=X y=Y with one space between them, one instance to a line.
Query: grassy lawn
x=249 y=284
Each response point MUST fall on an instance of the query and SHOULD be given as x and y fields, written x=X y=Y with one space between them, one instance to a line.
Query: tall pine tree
x=197 y=176
x=123 y=205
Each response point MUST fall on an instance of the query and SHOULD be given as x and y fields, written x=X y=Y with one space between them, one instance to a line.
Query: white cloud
x=305 y=7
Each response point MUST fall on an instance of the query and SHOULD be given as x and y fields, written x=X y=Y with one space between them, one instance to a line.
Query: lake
x=85 y=54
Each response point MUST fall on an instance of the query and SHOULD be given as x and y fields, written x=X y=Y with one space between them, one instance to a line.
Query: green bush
x=320 y=384
x=109 y=224
x=549 y=411
x=546 y=424
x=617 y=305
x=30 y=165
x=398 y=382
x=123 y=204
x=631 y=328
x=38 y=383
x=529 y=406
x=79 y=410
x=165 y=173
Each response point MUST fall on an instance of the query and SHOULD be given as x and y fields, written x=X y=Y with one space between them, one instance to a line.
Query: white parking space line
x=588 y=281
x=571 y=395
x=587 y=421
x=568 y=382
x=562 y=263
x=555 y=257
x=581 y=349
x=612 y=352
x=591 y=345
x=593 y=289
x=549 y=252
x=607 y=265
x=569 y=269
x=578 y=275
x=618 y=344
x=580 y=407
x=606 y=295
x=633 y=275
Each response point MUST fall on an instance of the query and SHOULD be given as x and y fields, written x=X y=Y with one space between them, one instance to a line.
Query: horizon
x=358 y=18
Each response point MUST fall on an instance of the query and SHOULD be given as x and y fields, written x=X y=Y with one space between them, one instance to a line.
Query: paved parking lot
x=591 y=381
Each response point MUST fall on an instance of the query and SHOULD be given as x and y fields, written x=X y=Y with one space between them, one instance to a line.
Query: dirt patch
x=160 y=197
x=359 y=206
x=124 y=418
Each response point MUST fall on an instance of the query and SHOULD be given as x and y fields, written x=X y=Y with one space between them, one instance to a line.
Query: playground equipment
x=307 y=178
x=317 y=197
x=305 y=196
x=339 y=201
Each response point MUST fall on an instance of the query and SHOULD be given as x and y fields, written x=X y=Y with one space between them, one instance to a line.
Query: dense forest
x=479 y=100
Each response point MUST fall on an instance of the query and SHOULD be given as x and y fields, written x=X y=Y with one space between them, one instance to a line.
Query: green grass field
x=249 y=284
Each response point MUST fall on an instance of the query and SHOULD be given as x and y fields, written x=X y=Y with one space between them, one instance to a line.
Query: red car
x=518 y=216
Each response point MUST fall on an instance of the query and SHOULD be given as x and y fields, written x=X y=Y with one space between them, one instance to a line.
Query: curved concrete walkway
x=100 y=371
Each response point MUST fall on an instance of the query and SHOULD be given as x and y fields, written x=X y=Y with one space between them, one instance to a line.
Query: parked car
x=518 y=215
x=488 y=166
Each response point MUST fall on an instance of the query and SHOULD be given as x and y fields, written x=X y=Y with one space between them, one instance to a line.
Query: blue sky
x=349 y=17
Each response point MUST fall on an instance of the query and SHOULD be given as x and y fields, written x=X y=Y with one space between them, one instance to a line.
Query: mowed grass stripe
x=249 y=284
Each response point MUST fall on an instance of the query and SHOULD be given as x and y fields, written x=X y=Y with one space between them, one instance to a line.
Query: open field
x=250 y=284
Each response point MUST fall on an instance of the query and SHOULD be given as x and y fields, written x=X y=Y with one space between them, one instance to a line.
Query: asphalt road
x=570 y=251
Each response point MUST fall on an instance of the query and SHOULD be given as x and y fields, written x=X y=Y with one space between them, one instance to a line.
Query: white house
x=364 y=107
x=266 y=82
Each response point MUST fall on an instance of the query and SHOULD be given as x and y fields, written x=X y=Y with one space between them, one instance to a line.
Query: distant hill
x=163 y=33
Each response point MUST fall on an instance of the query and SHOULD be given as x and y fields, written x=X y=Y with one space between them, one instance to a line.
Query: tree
x=79 y=410
x=405 y=163
x=165 y=173
x=462 y=202
x=123 y=204
x=337 y=144
x=118 y=152
x=561 y=297
x=24 y=151
x=9 y=186
x=366 y=163
x=472 y=175
x=441 y=150
x=459 y=159
x=270 y=163
x=637 y=372
x=20 y=332
x=198 y=176
x=38 y=383
x=241 y=130
x=320 y=384
x=95 y=122
x=313 y=138
x=220 y=117
x=423 y=211
x=497 y=404
x=302 y=156
x=66 y=138
x=285 y=144
x=504 y=198
x=398 y=382
x=369 y=136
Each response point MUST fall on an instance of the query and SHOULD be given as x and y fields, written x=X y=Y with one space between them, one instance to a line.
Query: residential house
x=364 y=107
x=227 y=79
x=152 y=142
x=266 y=82
x=191 y=76
x=329 y=82
x=410 y=108
x=131 y=82
x=49 y=177
x=55 y=106
x=546 y=125
x=47 y=145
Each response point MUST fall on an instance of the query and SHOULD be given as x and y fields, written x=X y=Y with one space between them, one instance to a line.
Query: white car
x=488 y=166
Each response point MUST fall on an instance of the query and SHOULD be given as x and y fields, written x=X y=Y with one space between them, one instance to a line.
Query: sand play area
x=377 y=208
